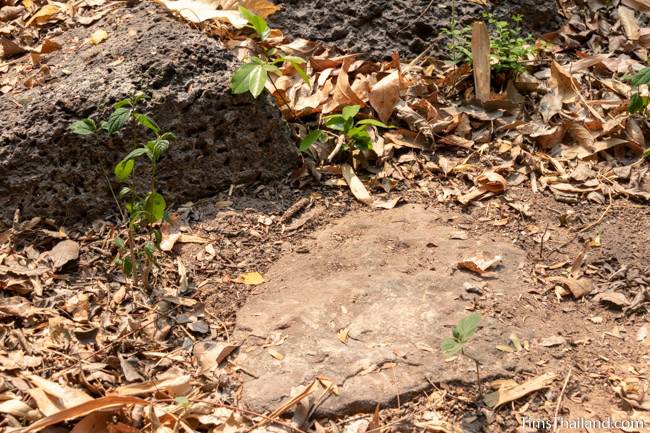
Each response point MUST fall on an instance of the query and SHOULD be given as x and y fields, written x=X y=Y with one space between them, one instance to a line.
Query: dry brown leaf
x=67 y=396
x=550 y=105
x=100 y=404
x=64 y=252
x=251 y=279
x=93 y=423
x=18 y=409
x=615 y=298
x=343 y=93
x=179 y=385
x=492 y=181
x=506 y=395
x=98 y=36
x=579 y=287
x=343 y=335
x=640 y=5
x=263 y=8
x=275 y=354
x=48 y=46
x=44 y=14
x=634 y=132
x=564 y=82
x=455 y=140
x=356 y=186
x=210 y=355
x=385 y=94
x=480 y=265
x=9 y=49
x=481 y=60
x=629 y=22
x=555 y=340
x=48 y=405
x=581 y=135
x=198 y=11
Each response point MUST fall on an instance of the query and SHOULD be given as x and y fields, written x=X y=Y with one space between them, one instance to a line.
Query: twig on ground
x=559 y=399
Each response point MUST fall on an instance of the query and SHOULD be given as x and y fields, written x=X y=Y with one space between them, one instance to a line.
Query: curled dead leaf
x=492 y=181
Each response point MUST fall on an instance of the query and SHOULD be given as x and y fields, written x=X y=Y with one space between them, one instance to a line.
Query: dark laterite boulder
x=375 y=28
x=223 y=139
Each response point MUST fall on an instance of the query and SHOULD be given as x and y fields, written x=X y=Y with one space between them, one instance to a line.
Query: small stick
x=559 y=399
x=541 y=243
x=337 y=149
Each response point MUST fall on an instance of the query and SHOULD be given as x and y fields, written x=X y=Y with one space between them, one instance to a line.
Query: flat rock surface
x=391 y=280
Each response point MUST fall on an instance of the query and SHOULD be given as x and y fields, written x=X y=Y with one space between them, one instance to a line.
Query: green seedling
x=638 y=103
x=461 y=335
x=253 y=75
x=351 y=134
x=509 y=47
x=145 y=209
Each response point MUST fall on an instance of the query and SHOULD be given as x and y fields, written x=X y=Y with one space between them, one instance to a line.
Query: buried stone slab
x=222 y=139
x=390 y=280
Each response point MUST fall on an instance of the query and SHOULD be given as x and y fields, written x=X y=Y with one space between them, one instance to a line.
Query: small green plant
x=459 y=45
x=254 y=73
x=638 y=103
x=508 y=46
x=145 y=210
x=351 y=134
x=461 y=335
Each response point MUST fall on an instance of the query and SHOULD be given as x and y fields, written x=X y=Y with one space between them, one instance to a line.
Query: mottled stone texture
x=222 y=138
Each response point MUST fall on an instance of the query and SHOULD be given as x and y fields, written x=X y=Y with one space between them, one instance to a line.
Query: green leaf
x=158 y=236
x=293 y=59
x=256 y=22
x=310 y=139
x=182 y=401
x=362 y=140
x=117 y=120
x=155 y=206
x=641 y=77
x=450 y=347
x=169 y=136
x=124 y=192
x=373 y=122
x=149 y=249
x=467 y=327
x=147 y=122
x=123 y=169
x=83 y=127
x=119 y=243
x=336 y=122
x=637 y=103
x=250 y=77
x=136 y=153
x=126 y=102
x=160 y=148
x=302 y=73
x=350 y=111
x=127 y=266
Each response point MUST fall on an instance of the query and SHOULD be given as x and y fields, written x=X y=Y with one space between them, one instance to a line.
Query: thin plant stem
x=478 y=374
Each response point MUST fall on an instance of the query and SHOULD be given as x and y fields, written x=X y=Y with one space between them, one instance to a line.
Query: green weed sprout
x=145 y=210
x=351 y=133
x=253 y=75
x=461 y=335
